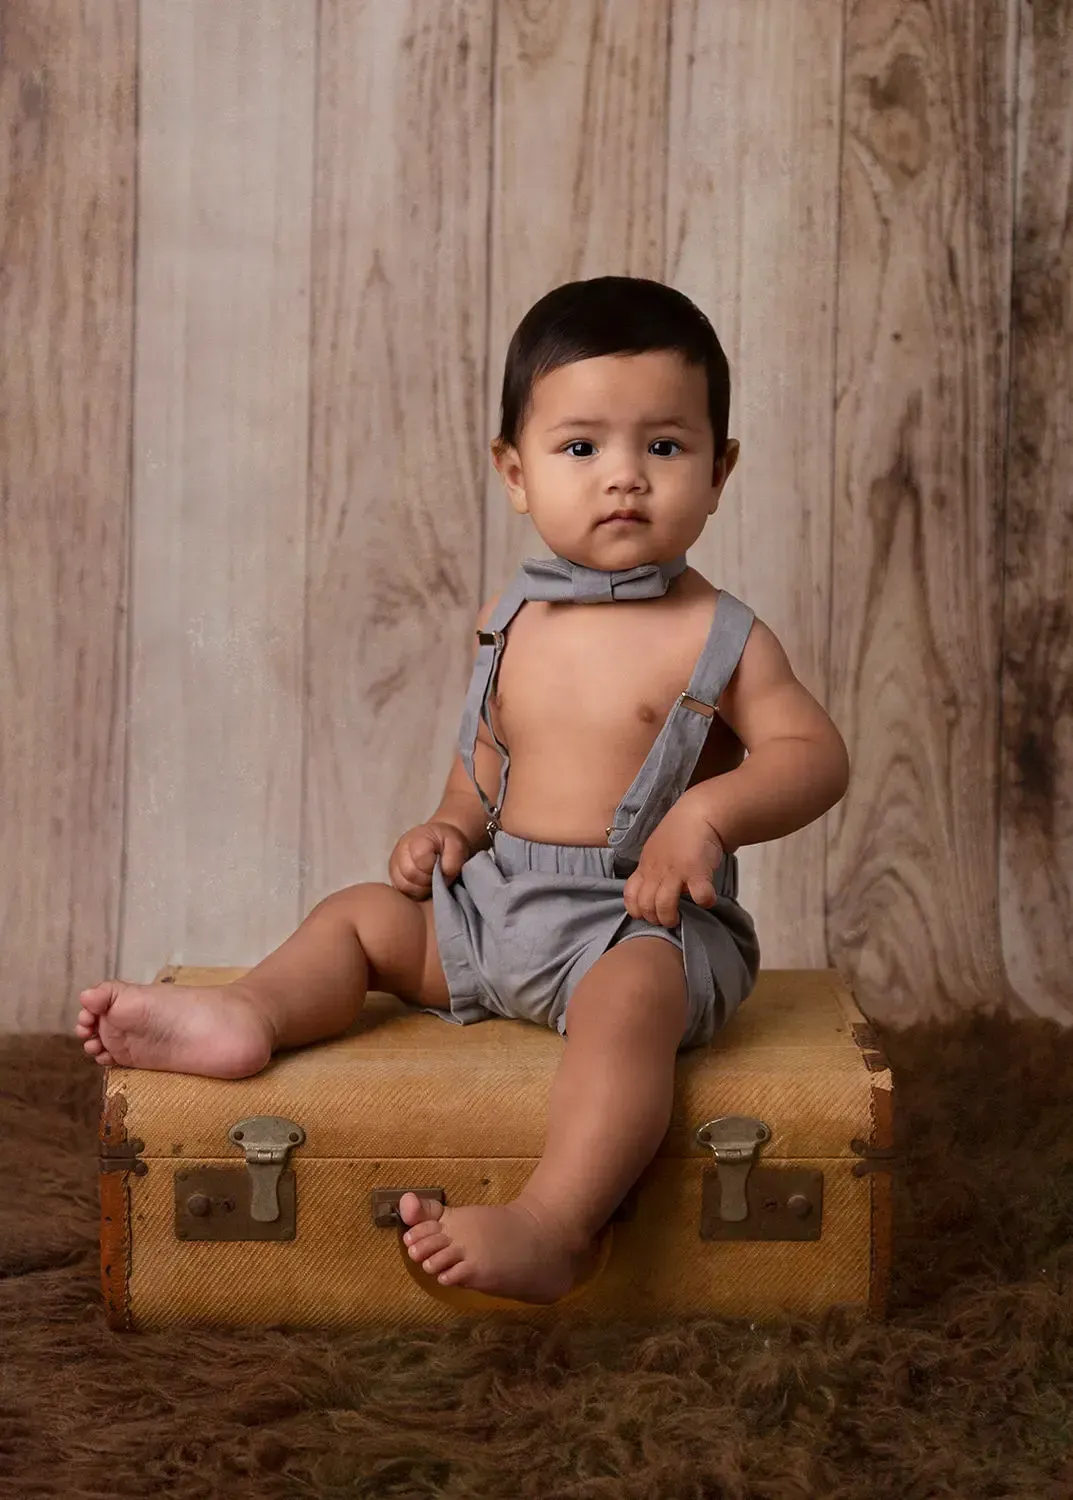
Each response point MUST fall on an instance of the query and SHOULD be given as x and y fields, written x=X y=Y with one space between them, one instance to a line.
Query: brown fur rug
x=966 y=1393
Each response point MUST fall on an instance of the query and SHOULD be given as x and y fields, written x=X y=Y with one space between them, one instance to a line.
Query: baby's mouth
x=625 y=517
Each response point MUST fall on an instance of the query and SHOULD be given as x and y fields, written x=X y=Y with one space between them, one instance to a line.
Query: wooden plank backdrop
x=927 y=222
x=253 y=336
x=400 y=276
x=221 y=416
x=1036 y=787
x=67 y=185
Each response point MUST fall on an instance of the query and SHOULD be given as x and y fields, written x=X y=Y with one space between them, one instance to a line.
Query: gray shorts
x=524 y=922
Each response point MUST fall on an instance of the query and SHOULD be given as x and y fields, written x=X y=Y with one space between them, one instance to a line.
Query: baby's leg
x=361 y=938
x=609 y=1110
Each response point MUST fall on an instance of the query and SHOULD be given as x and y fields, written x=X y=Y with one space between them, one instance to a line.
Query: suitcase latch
x=735 y=1139
x=742 y=1200
x=267 y=1141
x=227 y=1203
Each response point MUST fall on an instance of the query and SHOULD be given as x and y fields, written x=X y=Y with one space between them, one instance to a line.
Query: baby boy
x=594 y=889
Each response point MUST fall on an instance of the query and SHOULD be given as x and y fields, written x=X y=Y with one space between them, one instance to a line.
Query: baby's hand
x=414 y=857
x=682 y=851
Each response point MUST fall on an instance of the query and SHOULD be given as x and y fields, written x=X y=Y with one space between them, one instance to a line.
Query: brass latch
x=267 y=1141
x=252 y=1203
x=735 y=1139
x=742 y=1200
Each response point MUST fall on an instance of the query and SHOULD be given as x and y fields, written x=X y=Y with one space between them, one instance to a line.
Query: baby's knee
x=398 y=938
x=638 y=986
x=352 y=902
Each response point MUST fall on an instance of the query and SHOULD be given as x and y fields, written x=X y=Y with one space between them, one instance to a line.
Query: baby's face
x=619 y=432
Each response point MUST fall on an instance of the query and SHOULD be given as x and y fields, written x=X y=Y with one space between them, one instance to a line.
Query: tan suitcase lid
x=406 y=1084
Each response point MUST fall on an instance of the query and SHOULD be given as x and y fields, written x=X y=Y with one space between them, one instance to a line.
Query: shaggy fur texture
x=966 y=1393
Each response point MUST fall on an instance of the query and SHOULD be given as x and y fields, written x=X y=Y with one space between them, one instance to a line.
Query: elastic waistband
x=515 y=856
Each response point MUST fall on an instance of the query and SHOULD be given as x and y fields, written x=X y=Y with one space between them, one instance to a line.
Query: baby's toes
x=415 y=1211
x=97 y=998
x=427 y=1245
x=443 y=1260
x=423 y=1231
x=458 y=1272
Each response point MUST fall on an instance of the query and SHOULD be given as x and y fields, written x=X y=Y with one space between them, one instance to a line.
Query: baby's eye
x=664 y=442
x=580 y=443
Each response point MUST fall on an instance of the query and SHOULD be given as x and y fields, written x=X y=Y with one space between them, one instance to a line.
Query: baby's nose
x=628 y=474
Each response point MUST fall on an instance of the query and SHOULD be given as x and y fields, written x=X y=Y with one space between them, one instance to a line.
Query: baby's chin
x=609 y=544
x=617 y=546
x=612 y=544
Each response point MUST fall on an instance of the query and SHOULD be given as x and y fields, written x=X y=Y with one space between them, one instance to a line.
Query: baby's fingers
x=423 y=850
x=420 y=881
x=406 y=875
x=666 y=901
x=631 y=895
x=702 y=890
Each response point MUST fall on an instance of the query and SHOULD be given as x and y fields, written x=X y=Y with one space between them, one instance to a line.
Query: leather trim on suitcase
x=115 y=1215
x=882 y=1137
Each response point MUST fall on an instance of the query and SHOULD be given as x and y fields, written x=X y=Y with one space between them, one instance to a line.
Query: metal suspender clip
x=706 y=709
x=492 y=638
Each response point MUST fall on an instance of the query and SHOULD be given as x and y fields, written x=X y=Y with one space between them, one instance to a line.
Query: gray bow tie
x=564 y=582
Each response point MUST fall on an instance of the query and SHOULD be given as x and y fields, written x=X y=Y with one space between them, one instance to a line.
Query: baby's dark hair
x=610 y=315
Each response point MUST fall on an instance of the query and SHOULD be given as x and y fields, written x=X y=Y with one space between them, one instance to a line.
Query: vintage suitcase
x=272 y=1199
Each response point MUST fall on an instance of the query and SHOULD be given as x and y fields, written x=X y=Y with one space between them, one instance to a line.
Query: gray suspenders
x=673 y=758
x=492 y=640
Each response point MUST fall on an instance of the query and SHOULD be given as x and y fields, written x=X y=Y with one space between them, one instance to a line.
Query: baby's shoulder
x=696 y=595
x=762 y=651
x=700 y=591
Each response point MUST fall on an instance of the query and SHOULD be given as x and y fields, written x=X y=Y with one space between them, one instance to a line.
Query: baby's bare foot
x=510 y=1250
x=217 y=1032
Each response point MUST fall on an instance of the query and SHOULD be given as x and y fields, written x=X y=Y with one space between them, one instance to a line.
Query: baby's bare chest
x=602 y=679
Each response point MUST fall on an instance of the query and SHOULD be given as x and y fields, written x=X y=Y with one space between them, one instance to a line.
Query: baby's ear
x=509 y=466
x=730 y=458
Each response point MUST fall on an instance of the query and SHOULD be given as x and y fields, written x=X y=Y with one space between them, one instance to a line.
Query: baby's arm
x=797 y=766
x=460 y=804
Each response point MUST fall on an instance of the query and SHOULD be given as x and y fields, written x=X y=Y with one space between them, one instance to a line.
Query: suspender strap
x=481 y=684
x=673 y=758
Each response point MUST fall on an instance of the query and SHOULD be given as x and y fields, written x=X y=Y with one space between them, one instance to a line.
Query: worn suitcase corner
x=118 y=1157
